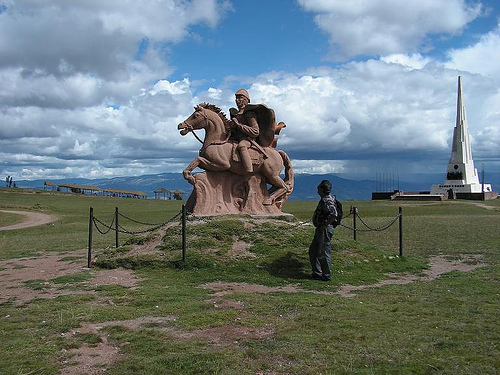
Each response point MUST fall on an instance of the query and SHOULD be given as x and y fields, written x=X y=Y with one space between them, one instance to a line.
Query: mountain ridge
x=304 y=189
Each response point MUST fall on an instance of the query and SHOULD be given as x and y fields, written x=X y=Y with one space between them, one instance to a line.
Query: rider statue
x=242 y=146
x=244 y=127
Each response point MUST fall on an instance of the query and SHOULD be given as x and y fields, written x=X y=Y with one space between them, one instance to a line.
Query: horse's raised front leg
x=205 y=164
x=187 y=172
x=213 y=165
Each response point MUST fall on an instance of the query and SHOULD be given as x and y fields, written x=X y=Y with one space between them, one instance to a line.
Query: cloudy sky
x=92 y=88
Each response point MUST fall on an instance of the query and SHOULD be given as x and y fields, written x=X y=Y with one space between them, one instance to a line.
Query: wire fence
x=183 y=216
x=117 y=227
x=121 y=229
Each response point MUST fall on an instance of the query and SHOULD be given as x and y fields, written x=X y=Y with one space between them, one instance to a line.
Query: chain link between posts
x=191 y=217
x=122 y=229
x=370 y=229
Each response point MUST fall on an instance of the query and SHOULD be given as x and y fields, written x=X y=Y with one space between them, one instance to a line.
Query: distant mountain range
x=305 y=184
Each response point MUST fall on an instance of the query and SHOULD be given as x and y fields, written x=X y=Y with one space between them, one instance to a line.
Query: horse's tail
x=289 y=177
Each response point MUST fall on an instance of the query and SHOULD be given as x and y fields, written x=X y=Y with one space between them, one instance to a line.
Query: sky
x=93 y=89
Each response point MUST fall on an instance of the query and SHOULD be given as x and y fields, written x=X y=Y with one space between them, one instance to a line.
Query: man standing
x=321 y=248
x=245 y=127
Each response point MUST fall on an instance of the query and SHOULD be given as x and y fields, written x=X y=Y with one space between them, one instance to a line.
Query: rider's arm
x=252 y=129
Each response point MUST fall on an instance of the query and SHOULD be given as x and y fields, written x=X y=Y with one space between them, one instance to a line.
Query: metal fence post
x=355 y=213
x=183 y=233
x=116 y=227
x=400 y=232
x=91 y=223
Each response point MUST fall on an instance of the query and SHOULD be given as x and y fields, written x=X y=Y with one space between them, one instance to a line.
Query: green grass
x=445 y=326
x=70 y=231
x=9 y=219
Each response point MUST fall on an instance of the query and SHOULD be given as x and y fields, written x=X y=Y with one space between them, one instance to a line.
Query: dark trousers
x=320 y=252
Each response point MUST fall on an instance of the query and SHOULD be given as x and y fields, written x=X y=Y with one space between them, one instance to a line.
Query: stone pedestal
x=222 y=193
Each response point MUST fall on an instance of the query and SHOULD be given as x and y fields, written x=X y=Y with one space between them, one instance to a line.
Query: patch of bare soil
x=239 y=249
x=222 y=288
x=482 y=205
x=152 y=244
x=94 y=360
x=230 y=334
x=14 y=274
x=439 y=265
x=87 y=359
x=32 y=219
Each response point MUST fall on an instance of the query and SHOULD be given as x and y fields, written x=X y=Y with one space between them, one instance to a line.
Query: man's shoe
x=325 y=278
x=316 y=277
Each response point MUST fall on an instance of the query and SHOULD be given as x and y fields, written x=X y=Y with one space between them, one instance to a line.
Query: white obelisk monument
x=461 y=176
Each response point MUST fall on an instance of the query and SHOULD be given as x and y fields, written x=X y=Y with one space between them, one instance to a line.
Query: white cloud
x=214 y=93
x=361 y=108
x=363 y=111
x=384 y=27
x=482 y=57
x=318 y=166
x=175 y=88
x=80 y=53
x=413 y=61
x=76 y=95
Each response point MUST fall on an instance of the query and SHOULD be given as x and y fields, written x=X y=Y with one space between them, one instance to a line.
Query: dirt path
x=15 y=273
x=482 y=205
x=32 y=219
x=439 y=265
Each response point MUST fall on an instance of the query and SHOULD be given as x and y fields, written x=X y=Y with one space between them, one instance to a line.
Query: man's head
x=324 y=188
x=242 y=98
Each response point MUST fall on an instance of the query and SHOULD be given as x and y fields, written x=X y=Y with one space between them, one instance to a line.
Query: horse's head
x=198 y=120
x=209 y=117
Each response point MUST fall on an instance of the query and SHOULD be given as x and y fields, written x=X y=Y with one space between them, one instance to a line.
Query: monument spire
x=461 y=175
x=461 y=152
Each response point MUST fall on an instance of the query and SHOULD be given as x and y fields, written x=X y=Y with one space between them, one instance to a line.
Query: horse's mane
x=217 y=110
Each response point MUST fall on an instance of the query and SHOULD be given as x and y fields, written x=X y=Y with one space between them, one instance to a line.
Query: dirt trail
x=32 y=219
x=439 y=265
x=14 y=274
x=482 y=205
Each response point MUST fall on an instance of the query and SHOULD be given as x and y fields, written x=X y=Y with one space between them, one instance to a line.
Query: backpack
x=338 y=218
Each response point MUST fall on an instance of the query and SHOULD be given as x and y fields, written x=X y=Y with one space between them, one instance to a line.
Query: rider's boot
x=246 y=160
x=268 y=201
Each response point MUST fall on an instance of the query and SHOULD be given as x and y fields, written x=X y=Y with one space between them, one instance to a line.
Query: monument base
x=223 y=193
x=460 y=188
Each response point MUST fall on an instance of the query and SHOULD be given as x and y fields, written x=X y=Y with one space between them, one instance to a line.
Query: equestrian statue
x=240 y=160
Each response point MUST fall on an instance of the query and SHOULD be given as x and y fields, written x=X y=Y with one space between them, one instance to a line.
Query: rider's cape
x=267 y=123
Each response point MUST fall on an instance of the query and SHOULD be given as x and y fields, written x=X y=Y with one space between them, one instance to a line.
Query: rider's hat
x=244 y=93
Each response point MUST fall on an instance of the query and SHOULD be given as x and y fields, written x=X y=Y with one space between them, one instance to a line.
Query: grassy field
x=266 y=317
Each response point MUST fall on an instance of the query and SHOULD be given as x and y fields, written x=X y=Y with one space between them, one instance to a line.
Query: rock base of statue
x=222 y=193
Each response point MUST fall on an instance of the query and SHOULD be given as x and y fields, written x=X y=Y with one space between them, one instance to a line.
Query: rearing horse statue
x=216 y=153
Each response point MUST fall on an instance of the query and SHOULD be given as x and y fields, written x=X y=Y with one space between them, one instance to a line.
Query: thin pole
x=400 y=232
x=116 y=227
x=482 y=181
x=354 y=222
x=183 y=233
x=91 y=223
